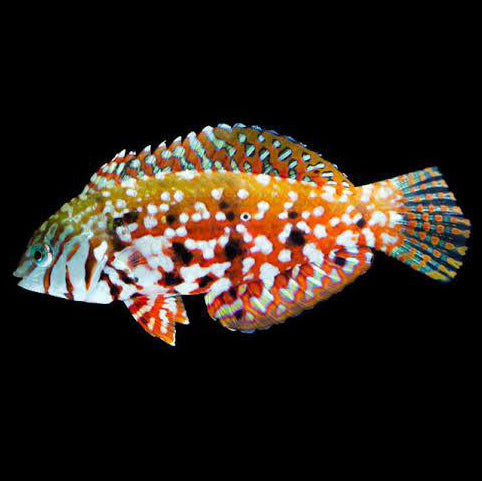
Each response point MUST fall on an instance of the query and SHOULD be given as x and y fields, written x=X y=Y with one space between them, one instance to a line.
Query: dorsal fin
x=222 y=149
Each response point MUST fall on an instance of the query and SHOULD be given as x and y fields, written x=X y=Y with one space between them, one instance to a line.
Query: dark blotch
x=182 y=253
x=131 y=216
x=223 y=204
x=238 y=314
x=340 y=261
x=360 y=223
x=124 y=277
x=292 y=215
x=117 y=244
x=230 y=215
x=170 y=218
x=296 y=237
x=171 y=279
x=117 y=222
x=232 y=292
x=204 y=281
x=114 y=290
x=233 y=249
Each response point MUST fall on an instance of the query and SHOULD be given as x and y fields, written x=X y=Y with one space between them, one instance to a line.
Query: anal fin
x=254 y=305
x=158 y=314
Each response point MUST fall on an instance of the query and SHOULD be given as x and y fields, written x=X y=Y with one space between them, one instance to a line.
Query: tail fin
x=414 y=218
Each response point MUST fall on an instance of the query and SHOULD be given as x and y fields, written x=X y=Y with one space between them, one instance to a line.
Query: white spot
x=329 y=193
x=183 y=218
x=395 y=218
x=247 y=237
x=132 y=227
x=220 y=268
x=178 y=196
x=284 y=255
x=187 y=174
x=288 y=205
x=243 y=194
x=221 y=285
x=196 y=217
x=388 y=239
x=169 y=232
x=284 y=234
x=334 y=221
x=263 y=206
x=305 y=214
x=293 y=195
x=149 y=222
x=267 y=273
x=152 y=209
x=347 y=219
x=217 y=193
x=131 y=192
x=186 y=288
x=384 y=192
x=303 y=226
x=263 y=179
x=181 y=231
x=378 y=218
x=366 y=193
x=192 y=273
x=262 y=244
x=314 y=255
x=248 y=262
x=163 y=207
x=348 y=238
x=283 y=215
x=319 y=231
x=369 y=237
x=220 y=216
x=190 y=244
x=318 y=211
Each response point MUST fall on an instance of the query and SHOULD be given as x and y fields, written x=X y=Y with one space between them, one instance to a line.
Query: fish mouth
x=19 y=272
x=31 y=286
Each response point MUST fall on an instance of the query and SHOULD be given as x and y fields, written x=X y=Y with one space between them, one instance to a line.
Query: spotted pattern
x=260 y=224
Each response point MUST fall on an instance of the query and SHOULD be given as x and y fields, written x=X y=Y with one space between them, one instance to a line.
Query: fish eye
x=41 y=254
x=245 y=216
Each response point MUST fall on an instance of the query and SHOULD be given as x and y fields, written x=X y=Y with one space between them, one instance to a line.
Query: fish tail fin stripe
x=415 y=218
x=158 y=314
x=254 y=305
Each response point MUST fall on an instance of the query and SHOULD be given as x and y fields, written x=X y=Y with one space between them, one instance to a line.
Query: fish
x=260 y=224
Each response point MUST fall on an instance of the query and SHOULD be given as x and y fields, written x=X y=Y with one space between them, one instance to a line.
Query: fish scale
x=260 y=224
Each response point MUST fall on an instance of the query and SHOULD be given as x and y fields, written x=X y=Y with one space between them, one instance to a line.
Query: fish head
x=65 y=258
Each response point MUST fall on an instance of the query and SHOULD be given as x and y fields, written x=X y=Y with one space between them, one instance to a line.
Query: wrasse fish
x=260 y=224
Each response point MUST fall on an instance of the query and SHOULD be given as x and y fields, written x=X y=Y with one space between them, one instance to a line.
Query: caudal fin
x=414 y=218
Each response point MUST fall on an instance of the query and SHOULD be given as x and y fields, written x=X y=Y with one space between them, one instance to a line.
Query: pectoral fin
x=157 y=314
x=254 y=305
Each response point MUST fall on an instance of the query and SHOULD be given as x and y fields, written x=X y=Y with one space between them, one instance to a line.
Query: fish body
x=260 y=224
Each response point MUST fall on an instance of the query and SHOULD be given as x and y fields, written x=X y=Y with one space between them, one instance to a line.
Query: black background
x=394 y=345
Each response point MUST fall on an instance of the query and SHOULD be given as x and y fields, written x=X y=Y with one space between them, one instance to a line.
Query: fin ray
x=253 y=305
x=223 y=149
x=425 y=228
x=158 y=314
